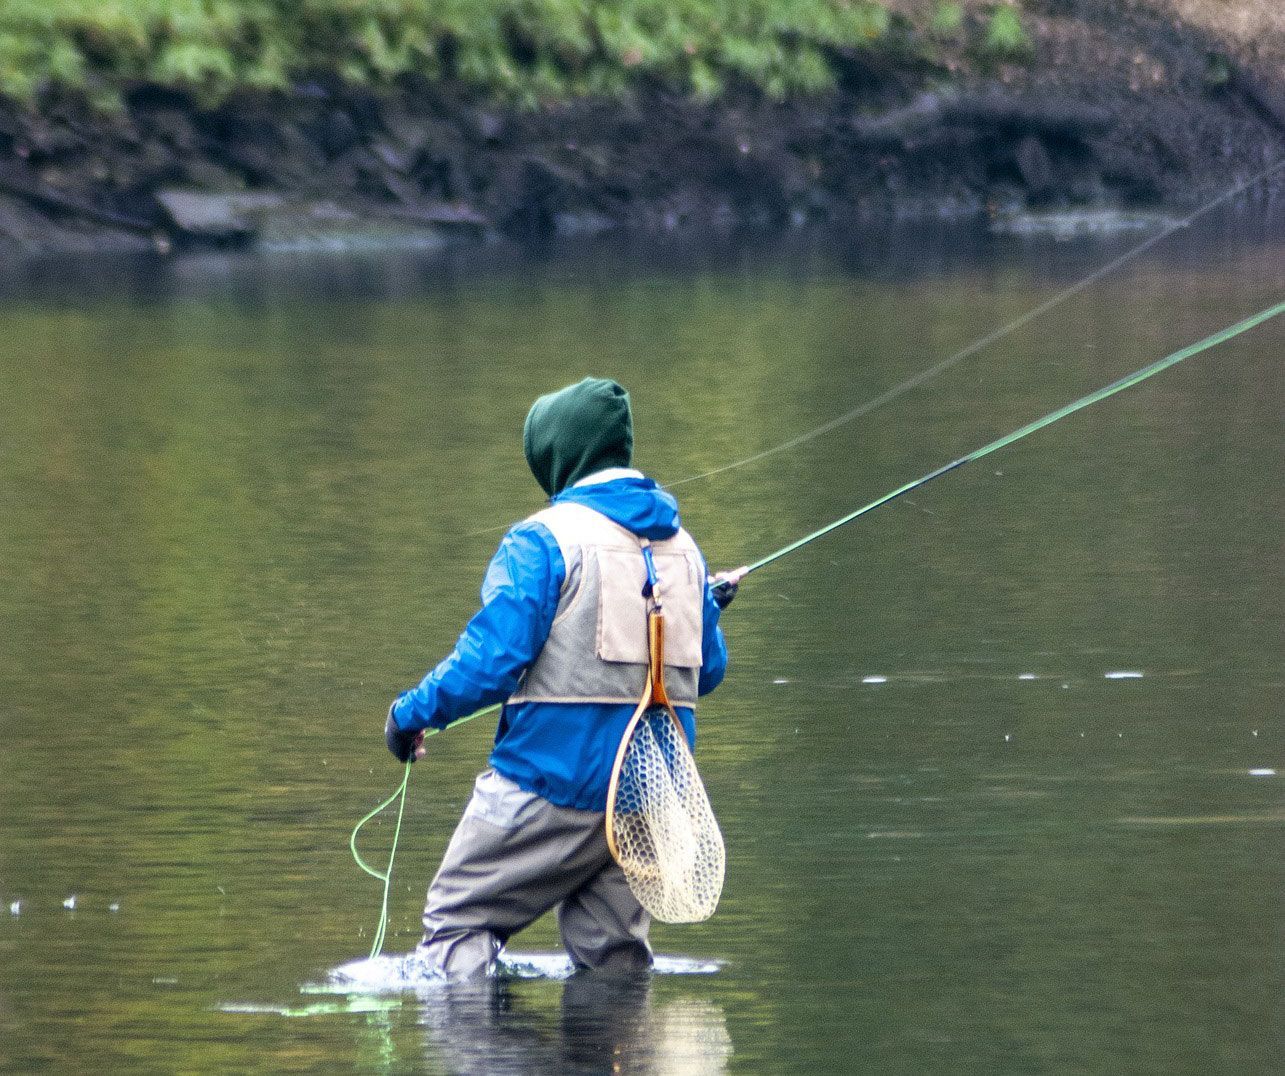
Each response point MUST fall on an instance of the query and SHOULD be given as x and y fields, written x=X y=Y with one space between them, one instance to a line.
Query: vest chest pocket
x=622 y=610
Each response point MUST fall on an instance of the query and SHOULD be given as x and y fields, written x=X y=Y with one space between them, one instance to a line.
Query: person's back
x=561 y=640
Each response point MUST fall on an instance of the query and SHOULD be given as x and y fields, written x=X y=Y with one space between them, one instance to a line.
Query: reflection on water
x=600 y=1026
x=313 y=1008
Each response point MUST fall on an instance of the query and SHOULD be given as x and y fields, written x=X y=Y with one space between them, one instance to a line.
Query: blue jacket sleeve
x=519 y=600
x=713 y=646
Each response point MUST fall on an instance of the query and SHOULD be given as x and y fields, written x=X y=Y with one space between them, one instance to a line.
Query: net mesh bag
x=660 y=825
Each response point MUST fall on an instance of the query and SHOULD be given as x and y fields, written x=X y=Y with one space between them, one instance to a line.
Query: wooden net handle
x=656 y=657
x=653 y=695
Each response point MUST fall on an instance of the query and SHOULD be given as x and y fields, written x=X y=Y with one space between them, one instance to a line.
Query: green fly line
x=386 y=876
x=1128 y=381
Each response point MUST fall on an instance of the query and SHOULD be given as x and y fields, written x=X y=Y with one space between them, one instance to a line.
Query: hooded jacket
x=560 y=751
x=576 y=431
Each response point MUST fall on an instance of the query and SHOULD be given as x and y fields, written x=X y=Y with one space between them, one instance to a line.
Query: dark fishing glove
x=724 y=591
x=401 y=743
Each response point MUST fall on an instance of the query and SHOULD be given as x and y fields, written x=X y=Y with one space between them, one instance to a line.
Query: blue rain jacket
x=562 y=752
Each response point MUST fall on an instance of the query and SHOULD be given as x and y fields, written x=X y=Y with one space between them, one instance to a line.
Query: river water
x=996 y=765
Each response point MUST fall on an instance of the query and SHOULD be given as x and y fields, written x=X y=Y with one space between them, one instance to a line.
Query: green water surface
x=243 y=502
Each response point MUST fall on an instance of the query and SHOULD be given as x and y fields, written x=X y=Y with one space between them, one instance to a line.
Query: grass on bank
x=526 y=51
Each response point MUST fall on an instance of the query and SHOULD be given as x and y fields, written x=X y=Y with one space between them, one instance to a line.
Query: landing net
x=660 y=826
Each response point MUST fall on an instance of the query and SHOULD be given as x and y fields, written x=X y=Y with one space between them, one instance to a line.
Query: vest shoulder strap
x=574 y=525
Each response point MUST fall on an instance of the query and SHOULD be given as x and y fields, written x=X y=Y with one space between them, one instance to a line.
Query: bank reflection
x=600 y=1025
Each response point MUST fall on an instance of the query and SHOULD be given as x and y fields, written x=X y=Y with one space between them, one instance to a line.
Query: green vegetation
x=516 y=50
x=947 y=19
x=1006 y=38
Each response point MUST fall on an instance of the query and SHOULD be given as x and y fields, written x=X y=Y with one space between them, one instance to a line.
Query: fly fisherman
x=561 y=640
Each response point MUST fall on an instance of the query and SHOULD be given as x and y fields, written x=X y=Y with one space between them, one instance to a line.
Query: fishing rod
x=1128 y=381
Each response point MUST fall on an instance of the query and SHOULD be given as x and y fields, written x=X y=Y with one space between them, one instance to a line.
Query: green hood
x=576 y=431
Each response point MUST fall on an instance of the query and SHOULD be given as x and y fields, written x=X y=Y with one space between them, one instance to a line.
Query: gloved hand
x=725 y=585
x=405 y=746
x=724 y=591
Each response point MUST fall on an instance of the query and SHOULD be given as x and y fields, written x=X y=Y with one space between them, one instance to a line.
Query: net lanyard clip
x=652 y=584
x=655 y=631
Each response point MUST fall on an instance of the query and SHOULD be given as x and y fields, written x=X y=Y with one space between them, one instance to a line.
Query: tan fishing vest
x=597 y=647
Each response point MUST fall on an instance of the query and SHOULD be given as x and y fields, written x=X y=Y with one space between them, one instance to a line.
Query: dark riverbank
x=1115 y=106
